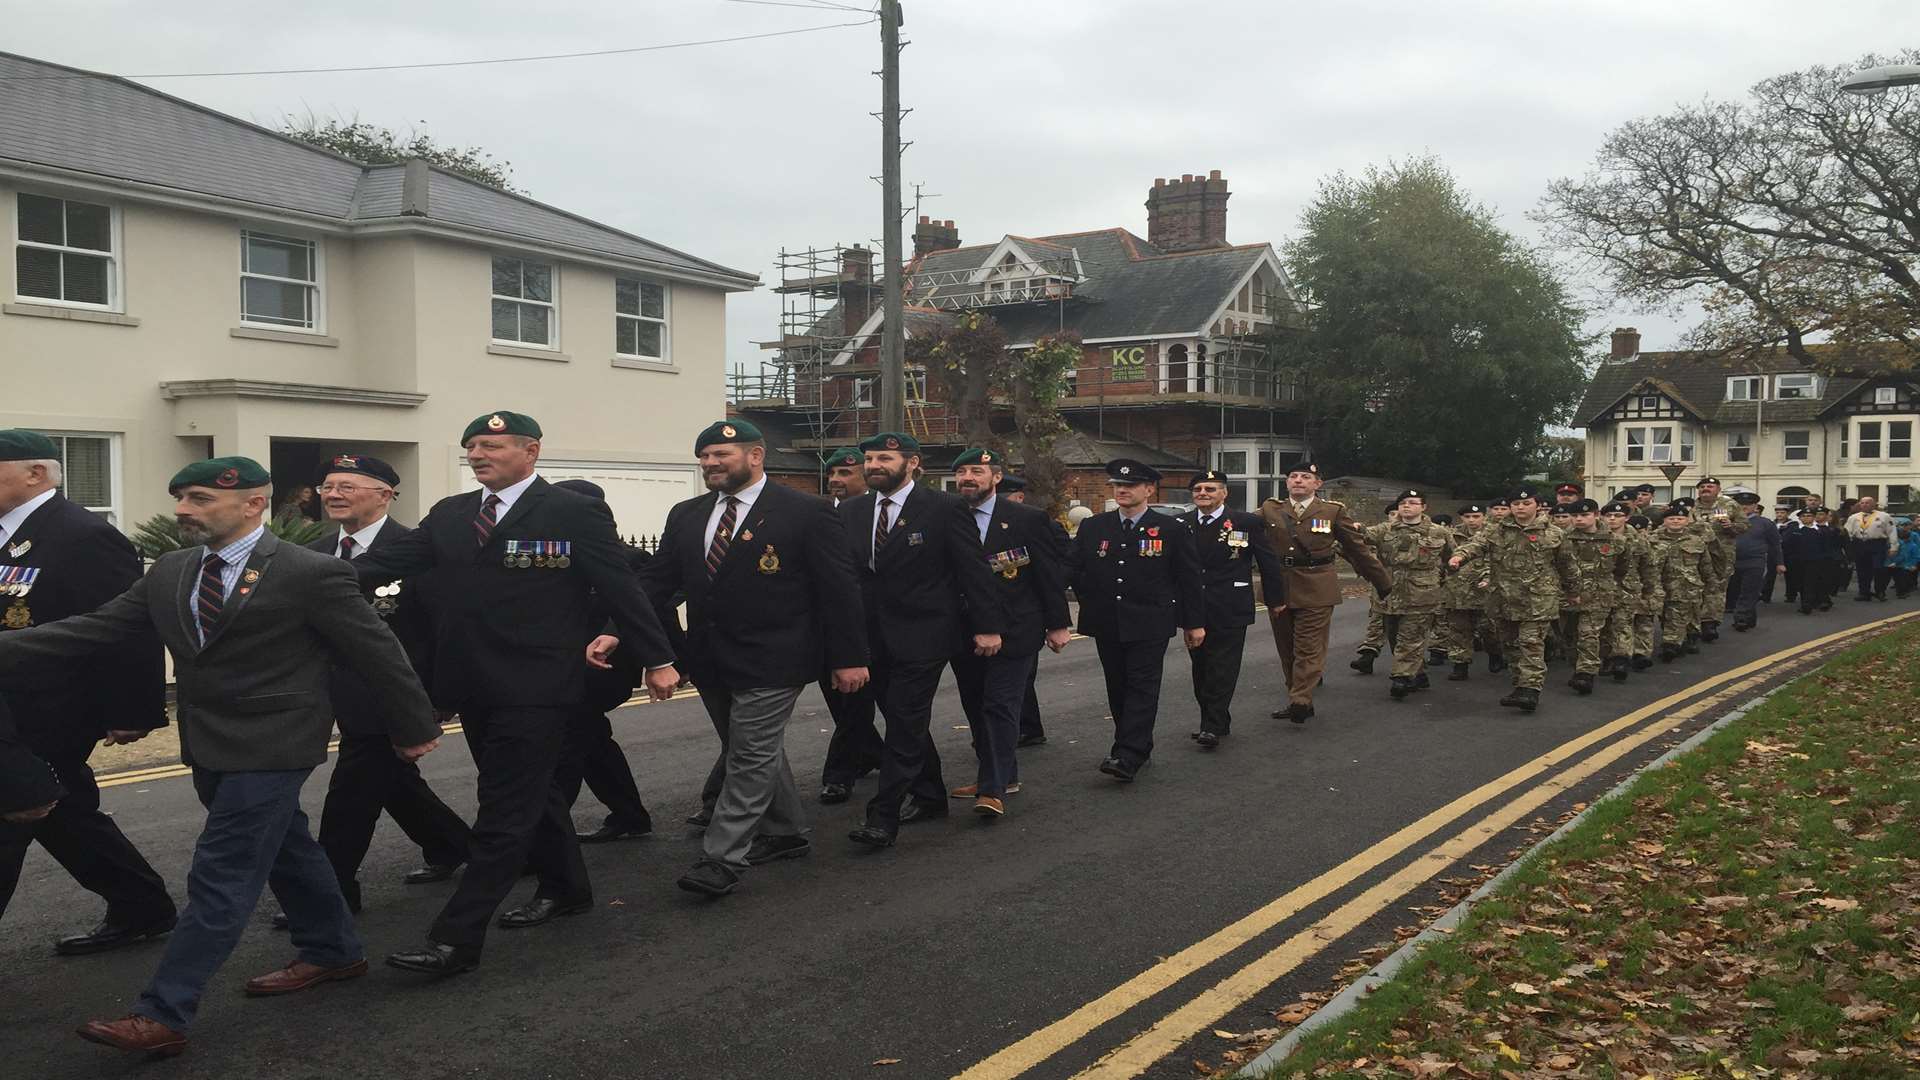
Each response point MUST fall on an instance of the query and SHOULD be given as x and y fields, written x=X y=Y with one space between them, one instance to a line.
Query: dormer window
x=1798 y=385
x=1649 y=401
x=1746 y=387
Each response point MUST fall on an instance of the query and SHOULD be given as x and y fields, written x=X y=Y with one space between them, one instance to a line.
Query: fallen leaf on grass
x=1562 y=1062
x=1524 y=989
x=1866 y=1014
x=1835 y=903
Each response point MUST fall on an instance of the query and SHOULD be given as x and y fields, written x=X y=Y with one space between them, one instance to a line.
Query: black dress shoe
x=540 y=910
x=437 y=959
x=430 y=873
x=113 y=935
x=709 y=878
x=917 y=812
x=1120 y=770
x=701 y=819
x=871 y=836
x=1031 y=740
x=1207 y=740
x=833 y=794
x=609 y=832
x=766 y=849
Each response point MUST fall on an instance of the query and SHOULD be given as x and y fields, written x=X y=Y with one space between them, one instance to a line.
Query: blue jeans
x=256 y=836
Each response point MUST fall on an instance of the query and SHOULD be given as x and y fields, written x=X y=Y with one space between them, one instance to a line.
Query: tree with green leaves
x=371 y=144
x=1436 y=346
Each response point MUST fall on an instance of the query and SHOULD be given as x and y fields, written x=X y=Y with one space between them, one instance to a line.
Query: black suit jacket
x=355 y=708
x=512 y=636
x=83 y=562
x=610 y=688
x=26 y=781
x=1034 y=596
x=928 y=589
x=1227 y=563
x=1130 y=595
x=254 y=697
x=784 y=605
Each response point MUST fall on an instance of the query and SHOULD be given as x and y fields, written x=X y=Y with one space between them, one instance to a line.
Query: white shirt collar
x=511 y=494
x=363 y=539
x=899 y=495
x=11 y=521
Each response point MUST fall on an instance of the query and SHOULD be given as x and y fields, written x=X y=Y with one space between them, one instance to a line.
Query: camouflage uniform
x=1530 y=569
x=1719 y=522
x=1683 y=562
x=1597 y=557
x=1417 y=554
x=1466 y=606
x=1630 y=606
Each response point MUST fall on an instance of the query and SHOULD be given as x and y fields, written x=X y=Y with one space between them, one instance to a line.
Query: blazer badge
x=769 y=561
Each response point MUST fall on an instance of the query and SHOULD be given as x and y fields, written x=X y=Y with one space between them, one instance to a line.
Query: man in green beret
x=855 y=748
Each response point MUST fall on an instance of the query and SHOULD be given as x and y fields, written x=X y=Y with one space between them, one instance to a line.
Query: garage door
x=639 y=494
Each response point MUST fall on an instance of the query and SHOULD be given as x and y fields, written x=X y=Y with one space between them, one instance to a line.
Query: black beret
x=1443 y=519
x=501 y=423
x=979 y=455
x=1746 y=498
x=1639 y=521
x=1472 y=508
x=1211 y=476
x=1644 y=489
x=1615 y=507
x=726 y=431
x=1129 y=471
x=1583 y=506
x=843 y=457
x=892 y=440
x=583 y=487
x=1561 y=510
x=1684 y=500
x=1496 y=502
x=223 y=473
x=1676 y=510
x=1011 y=482
x=1708 y=480
x=363 y=465
x=1303 y=466
x=1408 y=494
x=19 y=444
x=1519 y=493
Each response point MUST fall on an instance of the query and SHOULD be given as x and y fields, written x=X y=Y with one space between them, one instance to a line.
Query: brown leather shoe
x=988 y=806
x=135 y=1033
x=299 y=975
x=966 y=792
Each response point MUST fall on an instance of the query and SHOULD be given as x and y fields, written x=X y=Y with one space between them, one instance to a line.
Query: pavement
x=1099 y=930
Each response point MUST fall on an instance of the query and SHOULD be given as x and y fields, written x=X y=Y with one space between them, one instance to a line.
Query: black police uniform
x=1229 y=544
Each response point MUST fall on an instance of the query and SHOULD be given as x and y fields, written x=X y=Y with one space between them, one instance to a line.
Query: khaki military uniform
x=1684 y=562
x=1598 y=557
x=1416 y=553
x=1530 y=569
x=1465 y=604
x=1719 y=522
x=1305 y=539
x=1630 y=605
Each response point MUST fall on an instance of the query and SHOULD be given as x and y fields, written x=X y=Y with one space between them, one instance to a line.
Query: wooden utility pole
x=893 y=372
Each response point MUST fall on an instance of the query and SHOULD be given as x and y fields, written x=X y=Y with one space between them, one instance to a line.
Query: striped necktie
x=722 y=537
x=346 y=547
x=487 y=519
x=213 y=594
x=881 y=526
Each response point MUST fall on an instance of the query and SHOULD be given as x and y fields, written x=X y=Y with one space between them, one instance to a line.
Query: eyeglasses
x=347 y=490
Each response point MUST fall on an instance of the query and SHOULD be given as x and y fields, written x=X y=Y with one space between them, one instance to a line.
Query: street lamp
x=1878 y=80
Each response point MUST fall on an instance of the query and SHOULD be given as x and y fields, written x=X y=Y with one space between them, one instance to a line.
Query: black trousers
x=1816 y=580
x=593 y=757
x=1133 y=670
x=523 y=820
x=903 y=691
x=991 y=690
x=1743 y=594
x=89 y=846
x=856 y=747
x=1030 y=726
x=1216 y=672
x=1870 y=564
x=1766 y=584
x=1796 y=581
x=368 y=777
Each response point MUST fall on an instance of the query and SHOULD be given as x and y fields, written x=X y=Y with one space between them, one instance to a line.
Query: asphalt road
x=965 y=940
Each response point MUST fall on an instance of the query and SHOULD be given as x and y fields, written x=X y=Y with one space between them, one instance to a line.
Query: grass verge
x=1752 y=910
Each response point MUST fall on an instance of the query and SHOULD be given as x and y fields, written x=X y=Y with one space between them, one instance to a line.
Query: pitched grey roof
x=1699 y=382
x=108 y=127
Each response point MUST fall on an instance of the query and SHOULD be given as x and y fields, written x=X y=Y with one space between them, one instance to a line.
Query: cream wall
x=1824 y=472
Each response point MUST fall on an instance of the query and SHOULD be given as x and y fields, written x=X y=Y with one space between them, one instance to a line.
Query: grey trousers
x=757 y=794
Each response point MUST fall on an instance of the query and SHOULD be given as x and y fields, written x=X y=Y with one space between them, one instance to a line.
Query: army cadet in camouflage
x=1719 y=520
x=1630 y=597
x=1648 y=611
x=1684 y=566
x=1416 y=551
x=1531 y=570
x=1597 y=559
x=1375 y=639
x=1466 y=603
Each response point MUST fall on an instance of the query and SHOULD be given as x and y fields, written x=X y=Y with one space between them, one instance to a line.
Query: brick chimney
x=1626 y=343
x=930 y=236
x=856 y=286
x=1188 y=214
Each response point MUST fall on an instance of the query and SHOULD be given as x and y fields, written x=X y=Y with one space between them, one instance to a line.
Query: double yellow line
x=1187 y=1020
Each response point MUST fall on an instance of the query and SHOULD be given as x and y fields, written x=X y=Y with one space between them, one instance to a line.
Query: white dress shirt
x=363 y=539
x=508 y=496
x=11 y=521
x=983 y=516
x=745 y=496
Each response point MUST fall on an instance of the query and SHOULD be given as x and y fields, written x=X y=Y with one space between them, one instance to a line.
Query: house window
x=1650 y=401
x=864 y=389
x=639 y=319
x=1867 y=491
x=279 y=281
x=1802 y=385
x=1843 y=441
x=1746 y=387
x=1739 y=447
x=1900 y=438
x=1898 y=494
x=1869 y=440
x=1686 y=444
x=1795 y=443
x=917 y=387
x=523 y=302
x=89 y=465
x=66 y=252
x=1883 y=395
x=1233 y=461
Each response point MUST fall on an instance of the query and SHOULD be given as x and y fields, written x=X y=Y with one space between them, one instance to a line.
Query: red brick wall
x=1090 y=486
x=806 y=483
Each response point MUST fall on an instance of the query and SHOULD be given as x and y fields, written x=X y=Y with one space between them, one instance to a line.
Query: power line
x=818 y=5
x=444 y=63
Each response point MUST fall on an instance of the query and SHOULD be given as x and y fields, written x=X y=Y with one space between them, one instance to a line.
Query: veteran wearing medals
x=856 y=747
x=356 y=491
x=1229 y=544
x=58 y=560
x=771 y=603
x=519 y=566
x=1306 y=530
x=1138 y=578
x=1030 y=581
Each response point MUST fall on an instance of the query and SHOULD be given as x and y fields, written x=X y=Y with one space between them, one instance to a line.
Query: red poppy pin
x=227 y=478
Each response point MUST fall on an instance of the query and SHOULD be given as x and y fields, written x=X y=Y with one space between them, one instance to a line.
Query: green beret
x=980 y=455
x=846 y=455
x=501 y=423
x=19 y=444
x=892 y=440
x=222 y=473
x=726 y=431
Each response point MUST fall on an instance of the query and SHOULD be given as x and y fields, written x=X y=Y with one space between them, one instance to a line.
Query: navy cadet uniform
x=856 y=747
x=1228 y=544
x=58 y=560
x=1029 y=579
x=1137 y=581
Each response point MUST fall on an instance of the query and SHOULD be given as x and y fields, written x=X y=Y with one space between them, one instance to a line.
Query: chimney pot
x=1186 y=178
x=1214 y=175
x=924 y=219
x=1159 y=181
x=1626 y=343
x=1189 y=214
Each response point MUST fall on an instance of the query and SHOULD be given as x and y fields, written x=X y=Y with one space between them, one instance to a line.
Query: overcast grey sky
x=1029 y=116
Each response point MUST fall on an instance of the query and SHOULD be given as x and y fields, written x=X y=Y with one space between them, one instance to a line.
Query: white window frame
x=552 y=344
x=1679 y=444
x=1805 y=446
x=1649 y=401
x=316 y=259
x=1640 y=445
x=1888 y=441
x=664 y=322
x=1741 y=441
x=1755 y=385
x=115 y=284
x=1803 y=384
x=866 y=391
x=1885 y=395
x=1861 y=442
x=115 y=466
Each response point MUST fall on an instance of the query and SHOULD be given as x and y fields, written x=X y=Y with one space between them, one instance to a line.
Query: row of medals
x=524 y=560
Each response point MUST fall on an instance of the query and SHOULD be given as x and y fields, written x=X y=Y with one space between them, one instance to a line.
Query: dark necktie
x=1128 y=524
x=213 y=594
x=722 y=536
x=488 y=518
x=346 y=547
x=882 y=526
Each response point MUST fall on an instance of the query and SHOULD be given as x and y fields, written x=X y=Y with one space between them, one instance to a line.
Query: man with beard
x=928 y=595
x=1721 y=522
x=855 y=749
x=1029 y=580
x=1229 y=544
